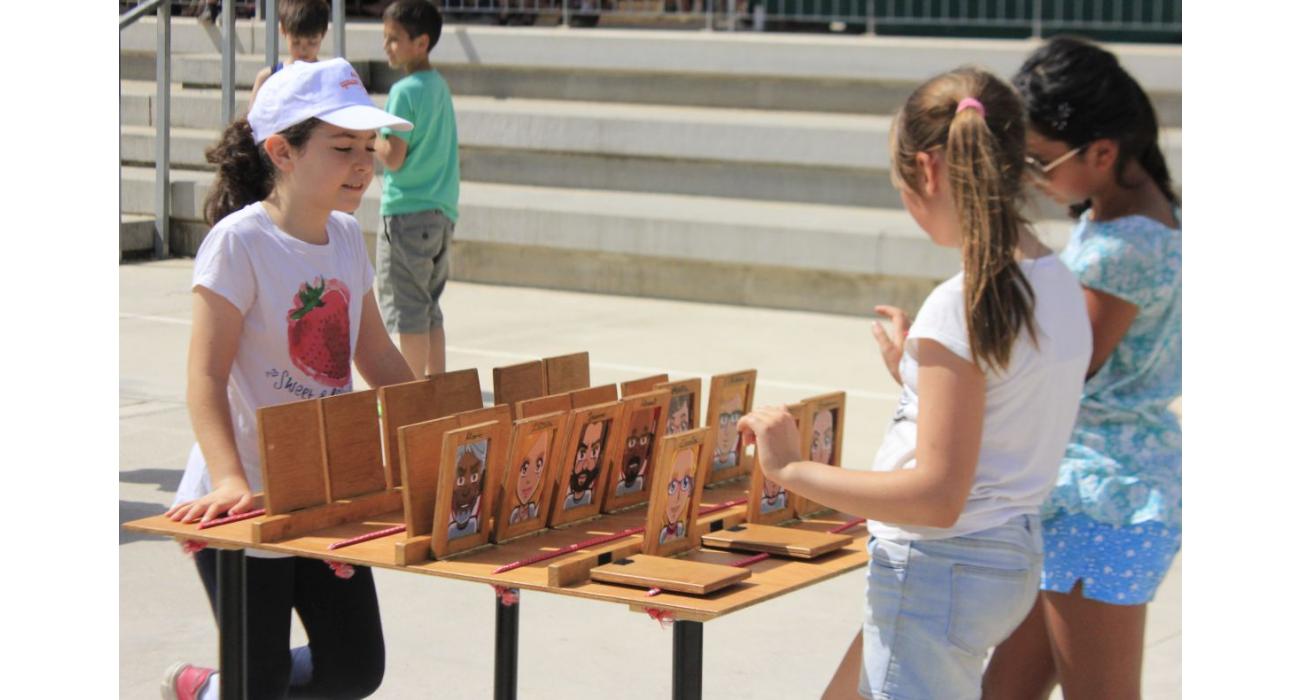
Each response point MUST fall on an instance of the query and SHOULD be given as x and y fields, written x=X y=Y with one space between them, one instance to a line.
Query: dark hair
x=416 y=17
x=1075 y=91
x=245 y=173
x=985 y=154
x=304 y=17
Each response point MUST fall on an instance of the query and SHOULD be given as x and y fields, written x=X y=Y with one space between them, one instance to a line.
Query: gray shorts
x=412 y=261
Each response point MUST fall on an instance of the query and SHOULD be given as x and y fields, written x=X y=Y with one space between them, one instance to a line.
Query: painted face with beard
x=640 y=447
x=823 y=437
x=469 y=484
x=586 y=463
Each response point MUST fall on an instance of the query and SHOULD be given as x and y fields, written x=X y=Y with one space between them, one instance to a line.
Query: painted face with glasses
x=680 y=488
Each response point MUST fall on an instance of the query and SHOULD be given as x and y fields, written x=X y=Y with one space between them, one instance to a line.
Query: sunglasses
x=1039 y=169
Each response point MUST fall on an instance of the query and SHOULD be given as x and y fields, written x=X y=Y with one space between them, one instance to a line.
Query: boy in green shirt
x=421 y=189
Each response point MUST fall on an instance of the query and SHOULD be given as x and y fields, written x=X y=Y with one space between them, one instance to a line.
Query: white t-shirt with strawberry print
x=302 y=310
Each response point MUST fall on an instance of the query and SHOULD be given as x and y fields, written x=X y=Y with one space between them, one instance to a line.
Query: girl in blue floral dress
x=1112 y=525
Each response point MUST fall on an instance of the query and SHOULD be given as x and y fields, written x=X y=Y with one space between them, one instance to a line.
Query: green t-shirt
x=430 y=176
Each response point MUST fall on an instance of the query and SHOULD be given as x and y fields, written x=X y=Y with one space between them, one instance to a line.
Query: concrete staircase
x=739 y=169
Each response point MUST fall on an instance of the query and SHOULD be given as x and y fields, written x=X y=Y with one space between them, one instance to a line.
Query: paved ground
x=439 y=633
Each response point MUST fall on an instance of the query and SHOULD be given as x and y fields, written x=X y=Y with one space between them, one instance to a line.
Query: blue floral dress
x=1114 y=519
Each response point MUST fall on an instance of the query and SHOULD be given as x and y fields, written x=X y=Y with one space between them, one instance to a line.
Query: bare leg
x=1022 y=667
x=437 y=350
x=844 y=684
x=415 y=350
x=1097 y=646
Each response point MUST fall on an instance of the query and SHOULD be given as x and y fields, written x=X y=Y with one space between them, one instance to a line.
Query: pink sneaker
x=184 y=681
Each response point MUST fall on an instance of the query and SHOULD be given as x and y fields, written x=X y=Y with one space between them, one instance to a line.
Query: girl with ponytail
x=283 y=309
x=990 y=373
x=1113 y=523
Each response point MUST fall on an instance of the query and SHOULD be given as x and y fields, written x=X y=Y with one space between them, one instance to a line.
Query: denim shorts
x=412 y=263
x=1120 y=565
x=936 y=607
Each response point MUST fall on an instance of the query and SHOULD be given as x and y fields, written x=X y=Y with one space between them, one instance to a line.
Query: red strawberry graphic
x=318 y=332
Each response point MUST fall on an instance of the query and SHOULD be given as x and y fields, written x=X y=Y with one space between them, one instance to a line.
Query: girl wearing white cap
x=283 y=307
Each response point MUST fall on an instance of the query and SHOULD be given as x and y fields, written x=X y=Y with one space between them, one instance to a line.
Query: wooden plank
x=354 y=460
x=543 y=405
x=456 y=392
x=672 y=518
x=681 y=575
x=567 y=372
x=582 y=398
x=730 y=397
x=487 y=414
x=293 y=459
x=786 y=541
x=276 y=528
x=684 y=405
x=515 y=383
x=420 y=447
x=403 y=404
x=641 y=386
x=577 y=567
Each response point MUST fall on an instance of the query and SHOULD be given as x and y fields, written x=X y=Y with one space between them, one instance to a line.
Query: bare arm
x=949 y=425
x=214 y=341
x=1110 y=317
x=378 y=360
x=262 y=75
x=391 y=151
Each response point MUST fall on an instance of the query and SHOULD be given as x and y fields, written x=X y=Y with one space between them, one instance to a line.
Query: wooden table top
x=770 y=578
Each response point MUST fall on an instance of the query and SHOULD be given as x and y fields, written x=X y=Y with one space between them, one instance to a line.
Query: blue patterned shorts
x=1118 y=565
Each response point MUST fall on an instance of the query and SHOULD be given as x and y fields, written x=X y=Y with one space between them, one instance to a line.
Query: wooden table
x=771 y=578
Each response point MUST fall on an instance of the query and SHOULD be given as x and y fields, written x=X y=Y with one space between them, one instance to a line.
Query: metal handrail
x=130 y=16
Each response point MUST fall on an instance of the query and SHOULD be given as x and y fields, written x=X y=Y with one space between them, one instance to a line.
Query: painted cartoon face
x=823 y=436
x=586 y=463
x=724 y=453
x=771 y=490
x=679 y=414
x=680 y=486
x=531 y=467
x=469 y=482
x=640 y=445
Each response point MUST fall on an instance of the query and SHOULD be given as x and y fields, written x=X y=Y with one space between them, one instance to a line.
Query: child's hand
x=772 y=430
x=230 y=497
x=891 y=343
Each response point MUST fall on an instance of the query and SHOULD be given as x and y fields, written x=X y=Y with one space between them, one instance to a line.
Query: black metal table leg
x=230 y=623
x=688 y=660
x=507 y=658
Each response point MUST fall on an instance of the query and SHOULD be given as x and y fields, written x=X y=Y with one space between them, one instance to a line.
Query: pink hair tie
x=972 y=103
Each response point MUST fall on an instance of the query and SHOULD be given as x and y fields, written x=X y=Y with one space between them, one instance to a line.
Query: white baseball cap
x=327 y=90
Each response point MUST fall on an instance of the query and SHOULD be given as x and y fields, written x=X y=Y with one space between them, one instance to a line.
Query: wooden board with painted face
x=822 y=435
x=529 y=478
x=769 y=502
x=419 y=448
x=633 y=448
x=671 y=525
x=683 y=405
x=468 y=483
x=580 y=479
x=730 y=397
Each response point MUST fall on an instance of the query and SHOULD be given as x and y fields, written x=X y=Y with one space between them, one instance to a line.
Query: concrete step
x=135 y=232
x=817 y=257
x=757 y=71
